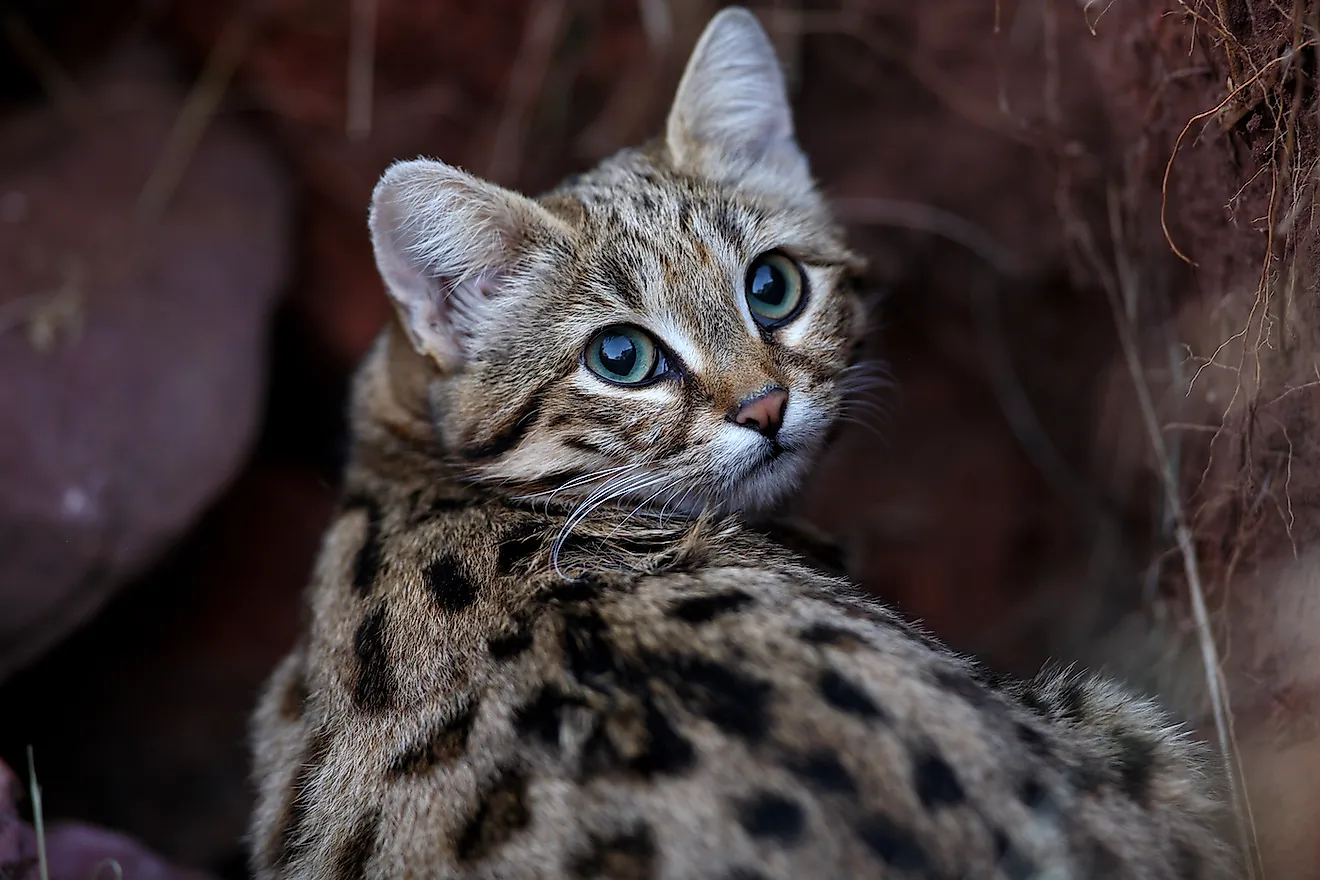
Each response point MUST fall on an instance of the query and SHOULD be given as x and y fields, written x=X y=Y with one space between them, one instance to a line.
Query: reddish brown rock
x=131 y=341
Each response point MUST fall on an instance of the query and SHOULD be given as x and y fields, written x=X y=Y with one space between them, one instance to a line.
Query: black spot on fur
x=501 y=813
x=937 y=784
x=894 y=845
x=956 y=681
x=667 y=751
x=1032 y=738
x=588 y=649
x=733 y=701
x=509 y=645
x=1032 y=793
x=582 y=589
x=544 y=715
x=1032 y=699
x=701 y=609
x=627 y=856
x=846 y=696
x=823 y=771
x=1072 y=702
x=744 y=873
x=517 y=546
x=1186 y=861
x=353 y=853
x=1012 y=863
x=444 y=744
x=289 y=838
x=1101 y=861
x=1136 y=763
x=449 y=584
x=367 y=564
x=834 y=636
x=772 y=816
x=374 y=689
x=654 y=748
x=1087 y=776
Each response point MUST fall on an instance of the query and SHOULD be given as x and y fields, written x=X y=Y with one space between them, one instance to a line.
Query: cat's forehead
x=651 y=241
x=637 y=193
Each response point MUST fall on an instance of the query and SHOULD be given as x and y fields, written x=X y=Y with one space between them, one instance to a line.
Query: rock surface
x=131 y=340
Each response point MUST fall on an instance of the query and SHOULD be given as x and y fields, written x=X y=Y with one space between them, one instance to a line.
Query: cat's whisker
x=691 y=484
x=613 y=489
x=648 y=500
x=590 y=478
x=585 y=479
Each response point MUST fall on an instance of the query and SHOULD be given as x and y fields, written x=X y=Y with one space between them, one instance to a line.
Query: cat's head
x=671 y=329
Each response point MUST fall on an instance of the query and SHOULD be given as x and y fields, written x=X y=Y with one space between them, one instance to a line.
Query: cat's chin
x=767 y=484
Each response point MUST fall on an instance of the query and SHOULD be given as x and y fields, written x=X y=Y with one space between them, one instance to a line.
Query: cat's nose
x=763 y=412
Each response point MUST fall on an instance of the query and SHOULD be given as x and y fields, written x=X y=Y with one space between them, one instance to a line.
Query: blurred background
x=1091 y=221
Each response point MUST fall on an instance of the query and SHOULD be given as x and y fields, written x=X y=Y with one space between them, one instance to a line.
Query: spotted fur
x=546 y=636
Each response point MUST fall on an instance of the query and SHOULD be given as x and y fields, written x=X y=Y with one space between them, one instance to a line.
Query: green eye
x=625 y=356
x=774 y=289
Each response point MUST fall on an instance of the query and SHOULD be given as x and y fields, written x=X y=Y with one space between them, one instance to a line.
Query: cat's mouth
x=772 y=453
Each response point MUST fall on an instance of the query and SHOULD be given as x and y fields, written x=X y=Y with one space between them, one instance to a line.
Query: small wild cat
x=542 y=640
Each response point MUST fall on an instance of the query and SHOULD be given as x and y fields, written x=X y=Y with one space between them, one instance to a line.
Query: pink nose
x=764 y=412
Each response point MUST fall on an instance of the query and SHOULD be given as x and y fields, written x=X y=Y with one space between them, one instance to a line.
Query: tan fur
x=544 y=637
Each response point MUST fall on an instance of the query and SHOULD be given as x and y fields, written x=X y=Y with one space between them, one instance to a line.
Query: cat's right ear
x=448 y=245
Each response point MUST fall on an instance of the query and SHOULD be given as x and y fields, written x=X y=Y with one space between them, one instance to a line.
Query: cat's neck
x=395 y=438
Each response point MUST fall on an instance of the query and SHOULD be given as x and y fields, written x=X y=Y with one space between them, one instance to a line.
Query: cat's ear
x=448 y=245
x=731 y=116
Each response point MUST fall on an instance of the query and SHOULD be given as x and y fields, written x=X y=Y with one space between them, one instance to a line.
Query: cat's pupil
x=769 y=285
x=618 y=354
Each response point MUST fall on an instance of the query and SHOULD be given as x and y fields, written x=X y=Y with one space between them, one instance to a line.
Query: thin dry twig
x=1168 y=168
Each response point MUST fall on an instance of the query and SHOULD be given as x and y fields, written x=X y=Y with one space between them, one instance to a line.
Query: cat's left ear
x=731 y=119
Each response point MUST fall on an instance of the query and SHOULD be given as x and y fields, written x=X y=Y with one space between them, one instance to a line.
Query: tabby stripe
x=355 y=851
x=511 y=435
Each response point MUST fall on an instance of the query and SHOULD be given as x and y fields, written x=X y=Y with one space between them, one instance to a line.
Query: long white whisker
x=582 y=480
x=630 y=514
x=613 y=489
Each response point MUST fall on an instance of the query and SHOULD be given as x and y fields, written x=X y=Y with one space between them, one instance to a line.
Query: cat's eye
x=775 y=289
x=625 y=355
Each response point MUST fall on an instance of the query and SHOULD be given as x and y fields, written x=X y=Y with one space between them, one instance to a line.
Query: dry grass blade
x=193 y=118
x=38 y=817
x=1216 y=687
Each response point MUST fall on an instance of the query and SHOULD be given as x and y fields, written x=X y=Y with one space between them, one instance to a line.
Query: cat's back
x=719 y=710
